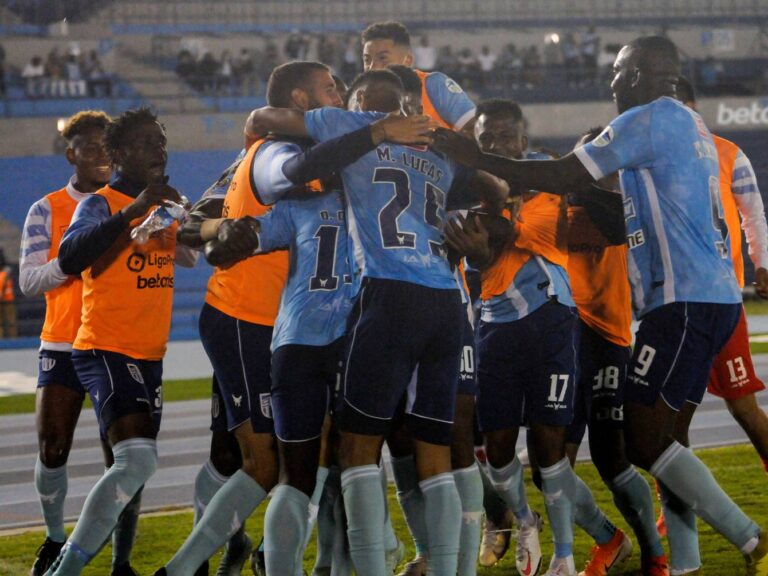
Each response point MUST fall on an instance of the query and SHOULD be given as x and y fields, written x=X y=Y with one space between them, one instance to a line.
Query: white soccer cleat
x=528 y=548
x=561 y=567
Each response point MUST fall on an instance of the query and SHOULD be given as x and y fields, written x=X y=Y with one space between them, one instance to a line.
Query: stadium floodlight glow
x=60 y=123
x=553 y=38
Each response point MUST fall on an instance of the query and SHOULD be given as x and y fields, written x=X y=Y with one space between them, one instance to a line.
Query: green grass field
x=737 y=468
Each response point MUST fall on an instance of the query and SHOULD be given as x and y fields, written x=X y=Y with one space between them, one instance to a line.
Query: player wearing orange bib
x=598 y=274
x=733 y=376
x=126 y=312
x=59 y=391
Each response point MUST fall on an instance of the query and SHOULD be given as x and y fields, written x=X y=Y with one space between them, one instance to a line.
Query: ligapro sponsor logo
x=753 y=114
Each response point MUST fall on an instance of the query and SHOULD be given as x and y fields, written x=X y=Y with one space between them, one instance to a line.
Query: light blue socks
x=364 y=505
x=285 y=531
x=588 y=516
x=682 y=533
x=633 y=498
x=469 y=485
x=225 y=514
x=51 y=485
x=558 y=486
x=442 y=515
x=508 y=483
x=691 y=481
x=411 y=500
x=135 y=462
x=125 y=532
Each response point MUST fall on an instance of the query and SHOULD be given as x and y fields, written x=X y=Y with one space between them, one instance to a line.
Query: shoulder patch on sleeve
x=452 y=86
x=604 y=138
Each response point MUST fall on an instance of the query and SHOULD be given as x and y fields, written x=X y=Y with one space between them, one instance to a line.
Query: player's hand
x=403 y=129
x=151 y=196
x=761 y=283
x=468 y=237
x=457 y=147
x=239 y=235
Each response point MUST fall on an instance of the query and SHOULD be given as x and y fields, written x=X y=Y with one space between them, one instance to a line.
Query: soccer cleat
x=124 y=570
x=416 y=567
x=528 y=548
x=394 y=557
x=657 y=566
x=495 y=542
x=45 y=556
x=608 y=555
x=561 y=567
x=661 y=525
x=757 y=560
x=257 y=560
x=234 y=557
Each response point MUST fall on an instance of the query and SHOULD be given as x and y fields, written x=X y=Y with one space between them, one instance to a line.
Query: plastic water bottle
x=160 y=218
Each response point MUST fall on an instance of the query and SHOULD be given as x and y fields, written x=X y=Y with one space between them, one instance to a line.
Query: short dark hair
x=409 y=78
x=84 y=121
x=289 y=76
x=118 y=129
x=685 y=91
x=655 y=53
x=499 y=107
x=376 y=76
x=389 y=30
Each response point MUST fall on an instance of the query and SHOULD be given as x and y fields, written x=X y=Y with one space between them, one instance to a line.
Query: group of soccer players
x=338 y=317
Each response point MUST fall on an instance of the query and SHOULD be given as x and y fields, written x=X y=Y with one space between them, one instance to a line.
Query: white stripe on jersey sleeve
x=36 y=274
x=750 y=205
x=589 y=164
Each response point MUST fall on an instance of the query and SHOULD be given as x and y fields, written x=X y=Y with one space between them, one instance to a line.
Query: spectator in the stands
x=447 y=62
x=605 y=60
x=270 y=61
x=8 y=326
x=34 y=77
x=487 y=60
x=296 y=46
x=98 y=81
x=225 y=79
x=207 y=69
x=424 y=55
x=532 y=67
x=245 y=73
x=511 y=63
x=328 y=51
x=351 y=65
x=74 y=75
x=54 y=72
x=571 y=59
x=469 y=68
x=553 y=56
x=590 y=48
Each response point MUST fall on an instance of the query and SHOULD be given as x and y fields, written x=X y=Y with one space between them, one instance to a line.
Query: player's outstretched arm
x=263 y=121
x=201 y=224
x=561 y=176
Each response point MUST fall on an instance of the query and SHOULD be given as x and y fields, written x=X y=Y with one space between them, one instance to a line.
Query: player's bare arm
x=202 y=222
x=391 y=128
x=236 y=239
x=152 y=195
x=561 y=176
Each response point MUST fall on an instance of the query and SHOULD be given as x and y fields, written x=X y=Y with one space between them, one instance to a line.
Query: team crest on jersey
x=135 y=373
x=452 y=86
x=629 y=209
x=605 y=138
x=265 y=400
x=47 y=364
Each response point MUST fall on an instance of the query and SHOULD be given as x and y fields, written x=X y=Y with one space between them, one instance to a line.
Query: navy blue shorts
x=601 y=386
x=303 y=381
x=120 y=385
x=674 y=350
x=240 y=356
x=467 y=369
x=403 y=341
x=526 y=369
x=218 y=412
x=56 y=368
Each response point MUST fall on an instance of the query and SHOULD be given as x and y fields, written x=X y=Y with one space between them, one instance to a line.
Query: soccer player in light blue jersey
x=683 y=285
x=407 y=313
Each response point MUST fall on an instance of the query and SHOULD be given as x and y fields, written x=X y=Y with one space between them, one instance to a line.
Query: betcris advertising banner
x=736 y=114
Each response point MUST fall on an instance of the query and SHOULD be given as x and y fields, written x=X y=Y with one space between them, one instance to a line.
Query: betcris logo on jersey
x=152 y=270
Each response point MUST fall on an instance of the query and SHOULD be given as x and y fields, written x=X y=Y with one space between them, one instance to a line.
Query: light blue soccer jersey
x=395 y=204
x=450 y=101
x=317 y=296
x=678 y=244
